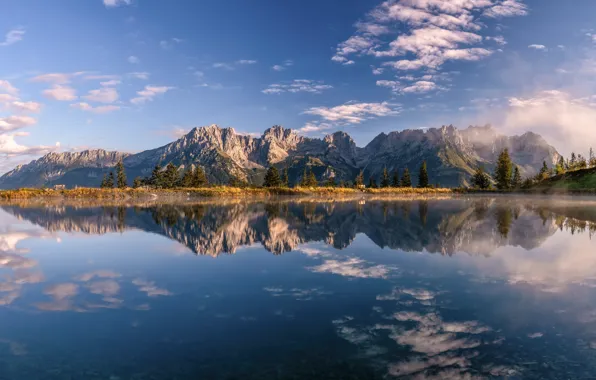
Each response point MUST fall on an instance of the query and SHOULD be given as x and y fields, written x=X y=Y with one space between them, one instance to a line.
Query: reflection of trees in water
x=504 y=217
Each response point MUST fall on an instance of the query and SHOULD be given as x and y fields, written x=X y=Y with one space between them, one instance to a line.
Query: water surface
x=465 y=288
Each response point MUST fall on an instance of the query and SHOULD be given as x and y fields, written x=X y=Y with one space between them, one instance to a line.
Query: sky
x=131 y=75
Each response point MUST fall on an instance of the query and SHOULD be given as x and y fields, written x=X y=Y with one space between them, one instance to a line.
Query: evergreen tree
x=137 y=182
x=272 y=178
x=312 y=179
x=480 y=179
x=199 y=178
x=516 y=182
x=504 y=170
x=406 y=180
x=385 y=178
x=573 y=161
x=110 y=181
x=304 y=179
x=359 y=181
x=156 y=179
x=423 y=176
x=561 y=163
x=187 y=178
x=104 y=182
x=121 y=175
x=395 y=179
x=543 y=173
x=170 y=176
x=331 y=182
x=342 y=183
x=285 y=178
x=592 y=159
x=372 y=183
x=582 y=163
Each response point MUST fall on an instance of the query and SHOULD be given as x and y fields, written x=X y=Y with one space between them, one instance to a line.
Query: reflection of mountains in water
x=475 y=225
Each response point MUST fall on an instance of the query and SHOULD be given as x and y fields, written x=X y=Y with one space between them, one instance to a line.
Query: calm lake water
x=466 y=288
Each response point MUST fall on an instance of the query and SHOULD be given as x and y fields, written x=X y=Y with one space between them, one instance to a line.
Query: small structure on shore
x=59 y=187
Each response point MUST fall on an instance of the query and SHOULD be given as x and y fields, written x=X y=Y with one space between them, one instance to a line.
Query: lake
x=455 y=288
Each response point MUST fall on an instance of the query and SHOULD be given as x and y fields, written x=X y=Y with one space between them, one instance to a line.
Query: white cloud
x=418 y=87
x=297 y=85
x=10 y=148
x=353 y=267
x=7 y=87
x=278 y=68
x=150 y=92
x=354 y=113
x=246 y=62
x=7 y=98
x=102 y=95
x=377 y=70
x=133 y=59
x=507 y=8
x=439 y=31
x=14 y=122
x=13 y=36
x=23 y=107
x=315 y=127
x=60 y=92
x=100 y=109
x=222 y=65
x=287 y=63
x=56 y=78
x=116 y=3
x=500 y=40
x=537 y=47
x=167 y=44
x=139 y=75
x=109 y=83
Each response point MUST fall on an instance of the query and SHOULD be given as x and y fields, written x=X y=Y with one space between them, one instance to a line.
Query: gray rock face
x=451 y=155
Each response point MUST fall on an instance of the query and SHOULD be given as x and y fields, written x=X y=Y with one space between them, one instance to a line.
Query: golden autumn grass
x=217 y=191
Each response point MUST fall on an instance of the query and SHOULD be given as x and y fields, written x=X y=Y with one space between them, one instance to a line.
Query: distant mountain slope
x=451 y=155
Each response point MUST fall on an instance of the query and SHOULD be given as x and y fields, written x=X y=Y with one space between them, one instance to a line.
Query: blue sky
x=133 y=74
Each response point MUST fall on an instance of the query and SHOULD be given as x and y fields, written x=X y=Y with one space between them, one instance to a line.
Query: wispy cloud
x=281 y=67
x=14 y=122
x=24 y=107
x=56 y=78
x=13 y=36
x=353 y=112
x=168 y=44
x=116 y=3
x=99 y=110
x=537 y=47
x=6 y=86
x=60 y=92
x=246 y=62
x=133 y=59
x=297 y=85
x=139 y=75
x=103 y=95
x=149 y=93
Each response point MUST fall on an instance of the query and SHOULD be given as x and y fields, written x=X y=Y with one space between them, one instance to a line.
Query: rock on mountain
x=451 y=155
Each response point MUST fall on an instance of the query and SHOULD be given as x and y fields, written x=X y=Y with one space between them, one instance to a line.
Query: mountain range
x=451 y=154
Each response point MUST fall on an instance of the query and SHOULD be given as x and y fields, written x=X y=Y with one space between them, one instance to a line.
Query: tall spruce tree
x=372 y=183
x=406 y=180
x=359 y=181
x=110 y=181
x=104 y=182
x=304 y=179
x=395 y=179
x=137 y=182
x=504 y=170
x=385 y=178
x=480 y=179
x=170 y=176
x=187 y=178
x=423 y=176
x=312 y=179
x=156 y=179
x=285 y=178
x=272 y=178
x=199 y=178
x=121 y=175
x=516 y=181
x=331 y=182
x=544 y=172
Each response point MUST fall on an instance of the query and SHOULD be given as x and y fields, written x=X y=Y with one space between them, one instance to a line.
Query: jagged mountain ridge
x=451 y=155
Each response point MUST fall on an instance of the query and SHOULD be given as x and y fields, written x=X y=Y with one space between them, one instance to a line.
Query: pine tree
x=304 y=179
x=385 y=178
x=543 y=173
x=110 y=181
x=312 y=179
x=187 y=178
x=359 y=181
x=199 y=178
x=516 y=182
x=121 y=175
x=331 y=182
x=573 y=161
x=272 y=178
x=285 y=178
x=372 y=183
x=104 y=182
x=170 y=176
x=504 y=170
x=156 y=179
x=423 y=176
x=480 y=179
x=406 y=180
x=395 y=179
x=137 y=182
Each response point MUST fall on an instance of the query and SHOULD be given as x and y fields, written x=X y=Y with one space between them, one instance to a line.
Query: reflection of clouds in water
x=415 y=365
x=107 y=288
x=353 y=267
x=16 y=348
x=417 y=293
x=150 y=288
x=297 y=293
x=102 y=273
x=62 y=291
x=535 y=335
x=315 y=252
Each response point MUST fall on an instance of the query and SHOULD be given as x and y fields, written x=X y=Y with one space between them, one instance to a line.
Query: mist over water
x=455 y=288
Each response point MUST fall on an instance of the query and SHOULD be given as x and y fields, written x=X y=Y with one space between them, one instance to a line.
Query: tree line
x=507 y=175
x=161 y=178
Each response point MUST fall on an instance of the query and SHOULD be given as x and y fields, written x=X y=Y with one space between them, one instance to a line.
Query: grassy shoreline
x=208 y=192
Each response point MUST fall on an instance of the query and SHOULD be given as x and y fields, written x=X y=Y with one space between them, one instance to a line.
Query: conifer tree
x=385 y=178
x=592 y=159
x=137 y=182
x=312 y=179
x=199 y=177
x=372 y=183
x=573 y=161
x=359 y=181
x=110 y=181
x=406 y=180
x=504 y=170
x=104 y=182
x=342 y=184
x=121 y=175
x=170 y=176
x=423 y=176
x=331 y=182
x=480 y=179
x=543 y=173
x=156 y=179
x=285 y=178
x=304 y=179
x=272 y=178
x=187 y=178
x=516 y=182
x=395 y=180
